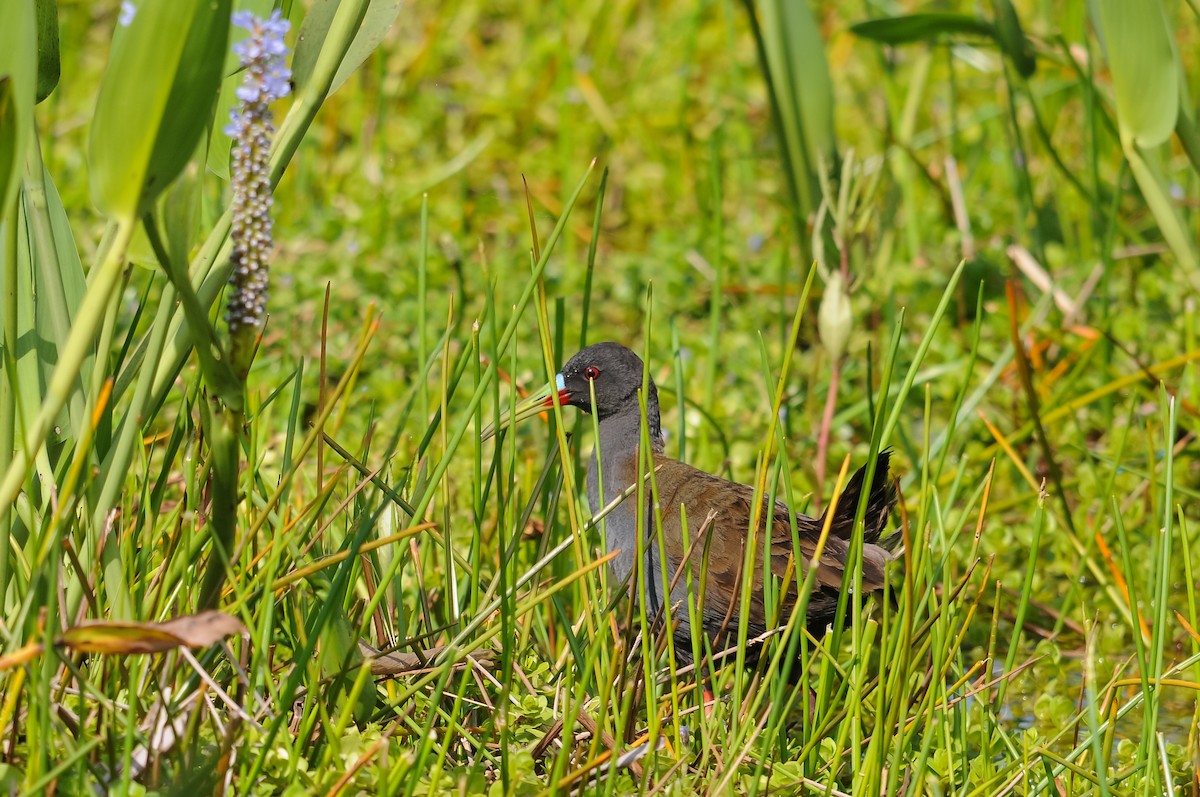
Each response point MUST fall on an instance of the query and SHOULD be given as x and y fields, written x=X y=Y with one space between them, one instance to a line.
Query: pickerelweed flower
x=265 y=78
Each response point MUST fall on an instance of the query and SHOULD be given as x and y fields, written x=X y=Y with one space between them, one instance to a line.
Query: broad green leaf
x=180 y=214
x=377 y=20
x=1006 y=32
x=193 y=98
x=1189 y=136
x=49 y=63
x=155 y=100
x=70 y=273
x=1145 y=70
x=50 y=278
x=921 y=27
x=810 y=79
x=380 y=16
x=802 y=90
x=1153 y=184
x=1012 y=39
x=18 y=76
x=310 y=39
x=140 y=253
x=9 y=136
x=132 y=99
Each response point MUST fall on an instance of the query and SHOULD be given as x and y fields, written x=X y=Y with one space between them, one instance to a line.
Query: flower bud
x=834 y=320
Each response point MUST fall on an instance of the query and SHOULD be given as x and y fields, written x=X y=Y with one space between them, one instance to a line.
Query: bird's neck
x=621 y=432
x=615 y=458
x=614 y=468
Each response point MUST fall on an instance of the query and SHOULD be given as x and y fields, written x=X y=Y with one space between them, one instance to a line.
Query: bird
x=715 y=507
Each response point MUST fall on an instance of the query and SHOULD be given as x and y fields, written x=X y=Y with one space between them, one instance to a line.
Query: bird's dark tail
x=879 y=504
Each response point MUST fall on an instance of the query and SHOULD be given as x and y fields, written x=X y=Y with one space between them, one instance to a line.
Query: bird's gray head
x=610 y=371
x=615 y=374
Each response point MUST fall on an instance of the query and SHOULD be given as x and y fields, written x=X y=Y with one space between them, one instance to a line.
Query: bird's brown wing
x=725 y=540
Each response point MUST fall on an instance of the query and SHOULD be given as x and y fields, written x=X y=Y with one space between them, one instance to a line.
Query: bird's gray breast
x=617 y=472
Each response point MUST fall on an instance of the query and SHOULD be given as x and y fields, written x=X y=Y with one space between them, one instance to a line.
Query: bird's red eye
x=591 y=372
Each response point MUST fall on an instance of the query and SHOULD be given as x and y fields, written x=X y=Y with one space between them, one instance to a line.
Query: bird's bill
x=531 y=405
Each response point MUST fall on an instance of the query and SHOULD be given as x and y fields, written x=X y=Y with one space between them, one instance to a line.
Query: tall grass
x=1017 y=339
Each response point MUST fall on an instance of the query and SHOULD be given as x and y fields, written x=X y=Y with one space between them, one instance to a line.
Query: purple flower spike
x=265 y=78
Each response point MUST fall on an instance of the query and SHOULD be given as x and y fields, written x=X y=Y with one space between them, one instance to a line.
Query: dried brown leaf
x=192 y=630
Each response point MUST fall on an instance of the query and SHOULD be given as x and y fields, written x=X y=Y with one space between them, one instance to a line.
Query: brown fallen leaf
x=397 y=663
x=192 y=631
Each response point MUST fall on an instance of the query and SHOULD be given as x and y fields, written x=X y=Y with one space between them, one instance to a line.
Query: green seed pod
x=834 y=320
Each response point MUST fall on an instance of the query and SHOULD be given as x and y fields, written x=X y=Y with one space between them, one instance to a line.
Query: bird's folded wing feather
x=725 y=539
